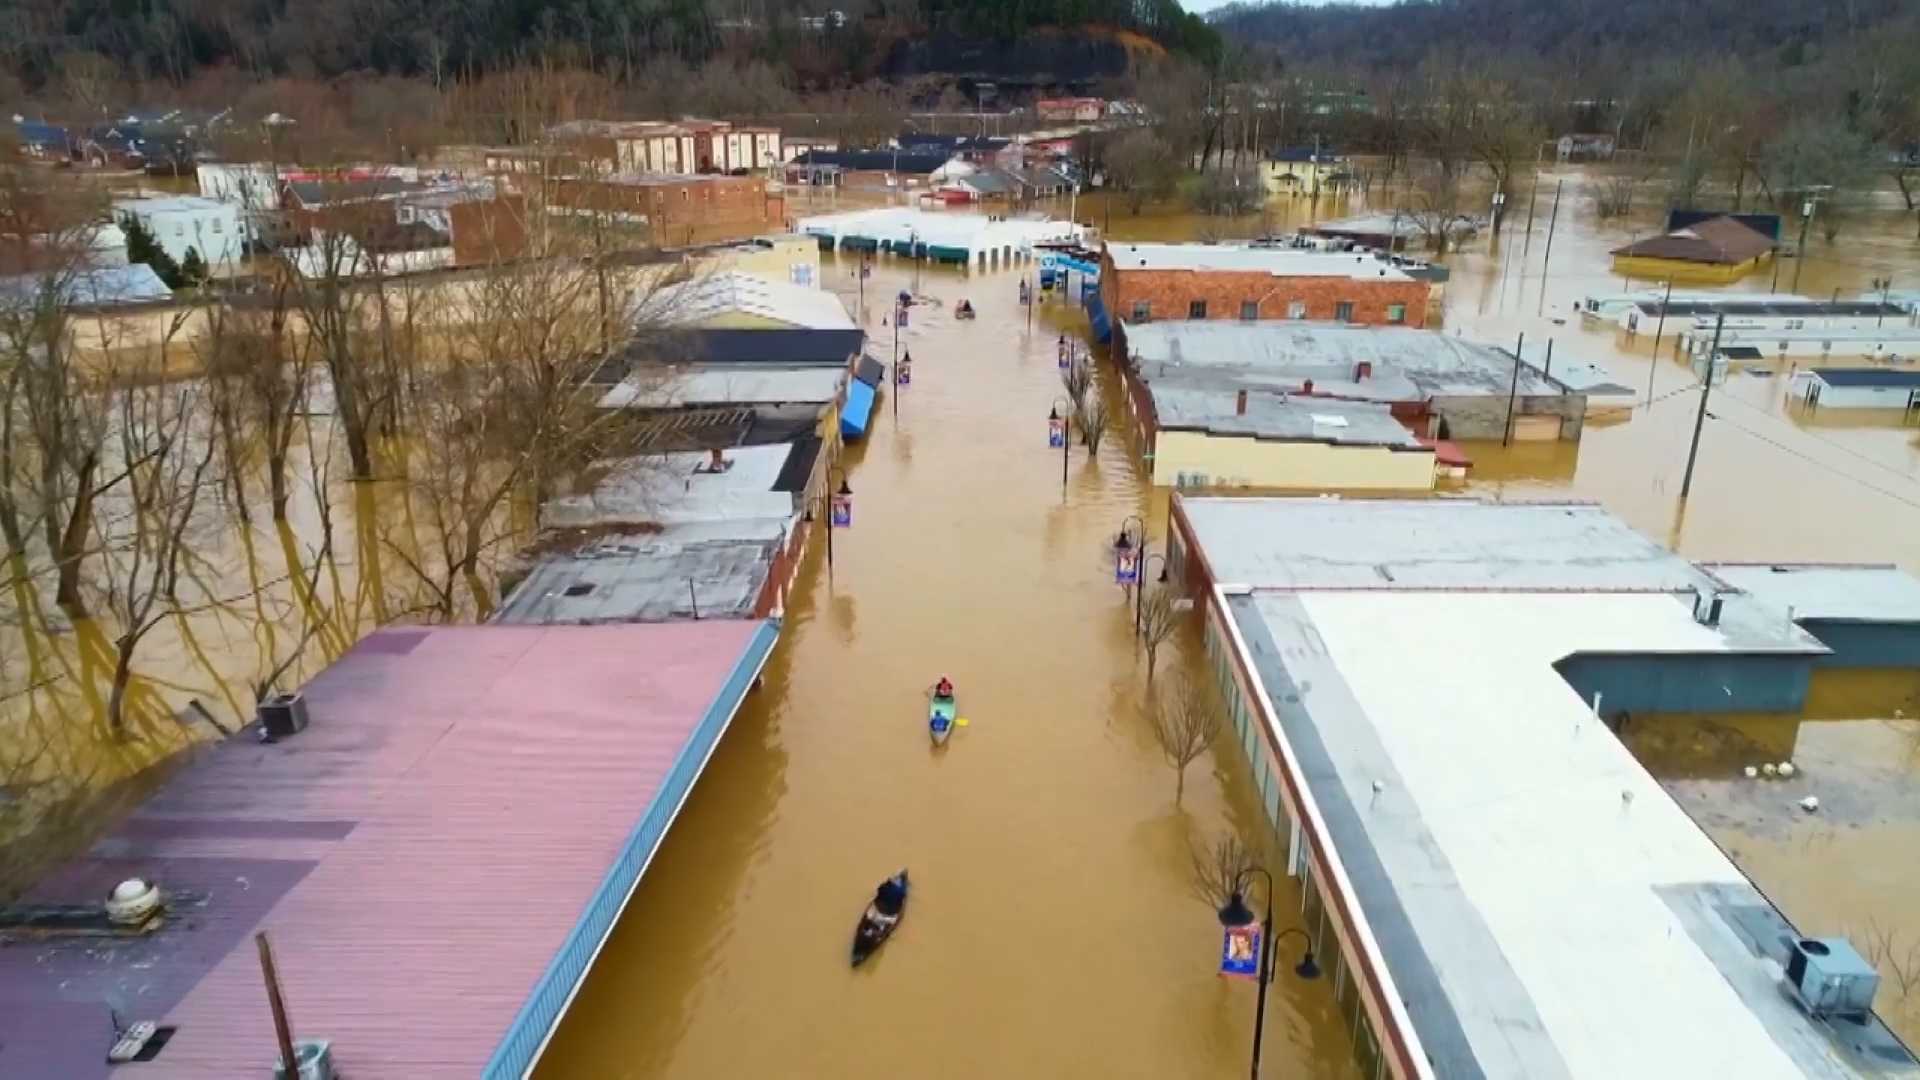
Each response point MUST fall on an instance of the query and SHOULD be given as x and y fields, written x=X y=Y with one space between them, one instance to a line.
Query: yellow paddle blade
x=961 y=722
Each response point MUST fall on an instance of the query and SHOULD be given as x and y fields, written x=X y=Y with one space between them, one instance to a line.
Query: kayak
x=940 y=720
x=875 y=926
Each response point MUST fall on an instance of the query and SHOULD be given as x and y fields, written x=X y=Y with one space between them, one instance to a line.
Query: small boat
x=877 y=926
x=940 y=719
x=964 y=311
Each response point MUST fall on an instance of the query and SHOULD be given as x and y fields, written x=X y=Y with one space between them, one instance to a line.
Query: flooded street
x=1054 y=930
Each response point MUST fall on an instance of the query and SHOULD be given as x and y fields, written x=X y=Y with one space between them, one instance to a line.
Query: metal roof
x=1280 y=417
x=969 y=231
x=734 y=291
x=1888 y=377
x=1720 y=241
x=734 y=384
x=1277 y=261
x=173 y=204
x=1407 y=364
x=437 y=857
x=901 y=161
x=133 y=284
x=1768 y=306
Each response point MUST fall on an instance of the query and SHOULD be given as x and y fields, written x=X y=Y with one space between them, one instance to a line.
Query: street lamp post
x=1057 y=424
x=1235 y=914
x=902 y=378
x=1129 y=554
x=839 y=510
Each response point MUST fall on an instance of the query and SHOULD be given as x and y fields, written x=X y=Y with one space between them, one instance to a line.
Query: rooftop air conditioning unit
x=1829 y=978
x=282 y=715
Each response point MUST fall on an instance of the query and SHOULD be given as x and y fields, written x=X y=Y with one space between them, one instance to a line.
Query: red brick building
x=1145 y=282
x=680 y=209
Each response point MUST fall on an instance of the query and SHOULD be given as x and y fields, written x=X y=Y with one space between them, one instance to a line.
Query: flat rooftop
x=682 y=488
x=1543 y=908
x=1407 y=364
x=1778 y=307
x=1280 y=417
x=726 y=384
x=1277 y=261
x=729 y=292
x=1825 y=592
x=436 y=857
x=1882 y=377
x=701 y=571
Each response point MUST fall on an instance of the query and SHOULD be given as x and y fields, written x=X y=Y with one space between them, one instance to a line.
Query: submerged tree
x=1161 y=611
x=1185 y=723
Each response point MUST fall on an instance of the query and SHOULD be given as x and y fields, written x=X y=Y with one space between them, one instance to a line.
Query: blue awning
x=854 y=414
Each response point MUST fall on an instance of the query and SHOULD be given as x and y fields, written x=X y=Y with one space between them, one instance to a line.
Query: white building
x=1857 y=388
x=190 y=222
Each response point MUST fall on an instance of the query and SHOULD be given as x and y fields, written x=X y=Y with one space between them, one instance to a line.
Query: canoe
x=940 y=720
x=875 y=928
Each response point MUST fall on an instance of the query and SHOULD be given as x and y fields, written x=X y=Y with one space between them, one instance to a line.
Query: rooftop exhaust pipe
x=282 y=716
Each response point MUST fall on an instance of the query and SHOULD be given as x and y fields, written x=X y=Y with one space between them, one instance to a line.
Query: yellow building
x=1717 y=251
x=782 y=258
x=1262 y=439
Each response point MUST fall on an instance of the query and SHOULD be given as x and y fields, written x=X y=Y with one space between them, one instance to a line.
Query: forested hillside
x=48 y=41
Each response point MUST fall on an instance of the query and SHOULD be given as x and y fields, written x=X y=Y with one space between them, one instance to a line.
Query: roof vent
x=313 y=1059
x=133 y=902
x=1707 y=607
x=282 y=715
x=1828 y=978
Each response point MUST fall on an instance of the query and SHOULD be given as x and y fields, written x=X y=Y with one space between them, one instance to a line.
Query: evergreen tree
x=143 y=248
x=193 y=269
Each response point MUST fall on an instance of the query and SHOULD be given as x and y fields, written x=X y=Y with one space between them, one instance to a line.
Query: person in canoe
x=943 y=690
x=964 y=311
x=877 y=923
x=941 y=711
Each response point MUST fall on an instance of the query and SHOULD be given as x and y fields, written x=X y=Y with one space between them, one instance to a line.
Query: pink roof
x=419 y=855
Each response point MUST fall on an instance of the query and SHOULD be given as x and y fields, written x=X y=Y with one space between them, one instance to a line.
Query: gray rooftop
x=679 y=574
x=1407 y=364
x=1404 y=544
x=1276 y=261
x=1279 y=416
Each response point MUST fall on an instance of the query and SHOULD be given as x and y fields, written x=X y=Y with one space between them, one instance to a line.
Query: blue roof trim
x=859 y=406
x=520 y=1046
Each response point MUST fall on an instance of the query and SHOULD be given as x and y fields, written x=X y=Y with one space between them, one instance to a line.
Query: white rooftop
x=733 y=291
x=1837 y=593
x=678 y=488
x=1277 y=416
x=974 y=232
x=1542 y=907
x=1277 y=261
x=170 y=204
x=729 y=384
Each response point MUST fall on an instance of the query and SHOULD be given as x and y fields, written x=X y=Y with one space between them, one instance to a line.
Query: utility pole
x=1700 y=419
x=1551 y=222
x=1800 y=253
x=1657 y=331
x=1527 y=244
x=1513 y=391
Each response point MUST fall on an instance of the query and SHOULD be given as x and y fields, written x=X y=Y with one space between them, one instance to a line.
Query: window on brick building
x=1196 y=309
x=1396 y=313
x=1142 y=311
x=1249 y=310
x=1296 y=309
x=1343 y=311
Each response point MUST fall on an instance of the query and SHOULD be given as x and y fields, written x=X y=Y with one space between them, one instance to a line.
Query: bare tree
x=1185 y=723
x=1160 y=617
x=1093 y=418
x=1219 y=868
x=1229 y=192
x=1077 y=379
x=165 y=463
x=1143 y=166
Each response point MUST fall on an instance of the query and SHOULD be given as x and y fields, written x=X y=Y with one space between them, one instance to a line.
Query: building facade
x=184 y=223
x=1145 y=282
x=680 y=210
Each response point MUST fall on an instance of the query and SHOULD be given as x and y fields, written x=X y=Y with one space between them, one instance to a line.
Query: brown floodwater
x=1053 y=928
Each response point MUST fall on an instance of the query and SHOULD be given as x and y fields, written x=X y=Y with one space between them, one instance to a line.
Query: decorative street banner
x=1056 y=433
x=900 y=315
x=1126 y=568
x=903 y=373
x=1240 y=951
x=842 y=512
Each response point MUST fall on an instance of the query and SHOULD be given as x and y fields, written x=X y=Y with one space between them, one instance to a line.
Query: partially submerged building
x=1858 y=388
x=737 y=300
x=438 y=856
x=1718 y=249
x=965 y=239
x=1141 y=283
x=1189 y=375
x=1493 y=884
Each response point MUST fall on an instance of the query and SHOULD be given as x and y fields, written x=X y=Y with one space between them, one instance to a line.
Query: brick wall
x=490 y=231
x=1171 y=293
x=682 y=211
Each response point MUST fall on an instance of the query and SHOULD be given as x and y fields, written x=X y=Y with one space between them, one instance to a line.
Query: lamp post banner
x=1240 y=951
x=1056 y=433
x=842 y=516
x=1126 y=568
